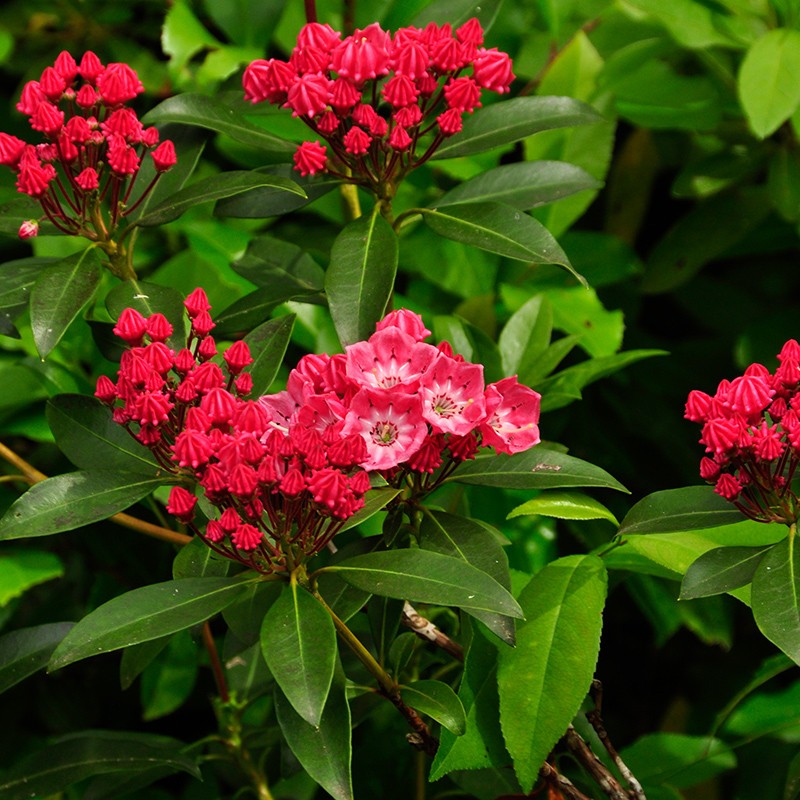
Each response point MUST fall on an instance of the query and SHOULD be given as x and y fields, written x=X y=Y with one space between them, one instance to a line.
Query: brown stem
x=594 y=766
x=310 y=7
x=216 y=665
x=33 y=475
x=561 y=785
x=425 y=629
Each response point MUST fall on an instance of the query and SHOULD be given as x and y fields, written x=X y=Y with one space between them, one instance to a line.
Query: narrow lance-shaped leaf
x=437 y=700
x=299 y=645
x=27 y=650
x=512 y=120
x=563 y=605
x=214 y=188
x=499 y=229
x=149 y=612
x=324 y=750
x=564 y=505
x=427 y=577
x=720 y=570
x=775 y=596
x=537 y=468
x=19 y=276
x=268 y=343
x=687 y=509
x=89 y=437
x=69 y=501
x=60 y=292
x=78 y=756
x=360 y=276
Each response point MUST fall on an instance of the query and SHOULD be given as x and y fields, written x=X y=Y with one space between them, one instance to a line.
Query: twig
x=216 y=665
x=561 y=783
x=425 y=629
x=33 y=475
x=594 y=766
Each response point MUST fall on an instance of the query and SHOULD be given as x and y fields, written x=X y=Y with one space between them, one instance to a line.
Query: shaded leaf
x=197 y=560
x=721 y=570
x=169 y=679
x=268 y=343
x=137 y=657
x=438 y=701
x=27 y=650
x=149 y=612
x=59 y=294
x=360 y=277
x=69 y=501
x=149 y=299
x=18 y=278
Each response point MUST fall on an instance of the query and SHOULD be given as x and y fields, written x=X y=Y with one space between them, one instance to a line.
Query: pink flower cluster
x=94 y=143
x=751 y=430
x=373 y=96
x=285 y=471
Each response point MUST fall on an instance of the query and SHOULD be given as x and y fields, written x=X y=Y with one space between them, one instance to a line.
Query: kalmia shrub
x=383 y=102
x=751 y=430
x=285 y=471
x=92 y=151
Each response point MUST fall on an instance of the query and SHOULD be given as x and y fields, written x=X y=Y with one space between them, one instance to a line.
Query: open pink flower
x=389 y=358
x=452 y=396
x=512 y=416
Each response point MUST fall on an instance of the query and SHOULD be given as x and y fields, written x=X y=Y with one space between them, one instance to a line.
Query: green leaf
x=426 y=577
x=88 y=436
x=523 y=186
x=564 y=505
x=249 y=312
x=374 y=501
x=580 y=312
x=169 y=680
x=146 y=613
x=269 y=260
x=149 y=299
x=687 y=509
x=438 y=701
x=27 y=650
x=471 y=342
x=19 y=276
x=197 y=560
x=677 y=759
x=482 y=745
x=783 y=182
x=537 y=468
x=507 y=122
x=342 y=598
x=775 y=597
x=563 y=606
x=324 y=750
x=499 y=229
x=137 y=657
x=245 y=616
x=299 y=645
x=216 y=115
x=526 y=336
x=246 y=22
x=23 y=569
x=477 y=545
x=458 y=12
x=768 y=86
x=60 y=292
x=78 y=756
x=69 y=501
x=214 y=188
x=721 y=570
x=360 y=276
x=268 y=343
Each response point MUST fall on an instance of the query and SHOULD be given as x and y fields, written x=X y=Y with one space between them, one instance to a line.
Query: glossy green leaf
x=19 y=276
x=677 y=759
x=78 y=756
x=146 y=613
x=149 y=299
x=471 y=342
x=299 y=645
x=216 y=187
x=526 y=336
x=564 y=505
x=69 y=501
x=59 y=294
x=343 y=599
x=216 y=115
x=482 y=744
x=438 y=701
x=523 y=186
x=721 y=570
x=768 y=86
x=477 y=545
x=245 y=616
x=25 y=651
x=427 y=577
x=775 y=596
x=324 y=750
x=268 y=343
x=89 y=437
x=507 y=122
x=22 y=569
x=537 y=468
x=499 y=229
x=360 y=276
x=563 y=606
x=197 y=560
x=687 y=509
x=269 y=260
x=169 y=679
x=250 y=311
x=137 y=657
x=246 y=22
x=375 y=500
x=245 y=669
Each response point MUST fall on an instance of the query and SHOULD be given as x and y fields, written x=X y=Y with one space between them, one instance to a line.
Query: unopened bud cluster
x=751 y=430
x=383 y=102
x=285 y=471
x=93 y=145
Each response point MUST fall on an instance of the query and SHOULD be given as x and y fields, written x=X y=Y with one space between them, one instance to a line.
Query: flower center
x=384 y=433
